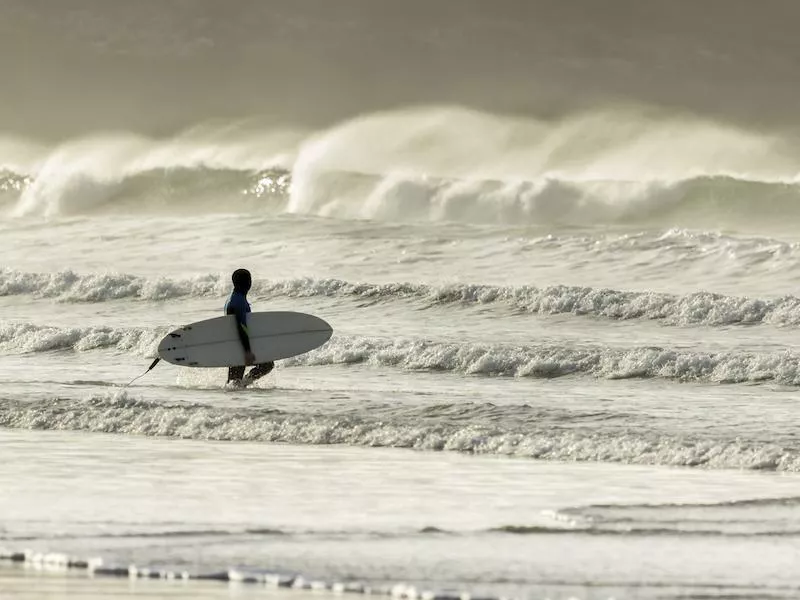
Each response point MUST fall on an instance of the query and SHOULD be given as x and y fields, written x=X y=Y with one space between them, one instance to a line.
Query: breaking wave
x=553 y=360
x=428 y=164
x=705 y=200
x=708 y=200
x=68 y=286
x=26 y=337
x=470 y=358
x=514 y=431
x=699 y=308
x=155 y=191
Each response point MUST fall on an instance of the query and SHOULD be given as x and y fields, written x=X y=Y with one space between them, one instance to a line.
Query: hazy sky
x=160 y=65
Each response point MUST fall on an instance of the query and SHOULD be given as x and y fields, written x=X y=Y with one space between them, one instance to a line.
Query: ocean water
x=563 y=294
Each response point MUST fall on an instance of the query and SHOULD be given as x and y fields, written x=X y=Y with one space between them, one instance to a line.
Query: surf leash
x=150 y=368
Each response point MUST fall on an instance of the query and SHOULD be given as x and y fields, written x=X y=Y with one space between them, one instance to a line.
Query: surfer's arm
x=241 y=327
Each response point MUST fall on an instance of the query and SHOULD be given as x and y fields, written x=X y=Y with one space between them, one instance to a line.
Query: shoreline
x=34 y=582
x=20 y=570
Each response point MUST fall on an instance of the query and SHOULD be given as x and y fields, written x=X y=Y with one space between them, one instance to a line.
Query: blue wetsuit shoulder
x=238 y=305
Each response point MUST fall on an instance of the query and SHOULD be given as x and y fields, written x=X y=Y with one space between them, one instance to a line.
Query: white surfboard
x=215 y=342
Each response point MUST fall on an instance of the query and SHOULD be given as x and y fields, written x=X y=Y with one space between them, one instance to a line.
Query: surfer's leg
x=260 y=370
x=235 y=373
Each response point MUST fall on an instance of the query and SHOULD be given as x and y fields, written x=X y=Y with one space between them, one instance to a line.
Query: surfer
x=238 y=306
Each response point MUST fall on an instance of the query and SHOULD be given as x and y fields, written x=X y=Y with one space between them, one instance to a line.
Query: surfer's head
x=242 y=280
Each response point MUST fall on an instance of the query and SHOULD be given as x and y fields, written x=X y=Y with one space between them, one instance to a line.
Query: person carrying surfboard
x=238 y=306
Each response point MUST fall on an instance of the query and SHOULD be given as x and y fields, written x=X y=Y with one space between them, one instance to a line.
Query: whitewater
x=564 y=296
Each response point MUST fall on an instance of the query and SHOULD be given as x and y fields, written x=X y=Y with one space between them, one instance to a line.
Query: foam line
x=255 y=577
x=698 y=308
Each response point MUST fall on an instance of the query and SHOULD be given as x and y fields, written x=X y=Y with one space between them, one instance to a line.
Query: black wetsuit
x=238 y=306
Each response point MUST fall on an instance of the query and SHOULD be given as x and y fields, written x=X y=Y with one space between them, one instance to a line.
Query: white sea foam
x=68 y=286
x=555 y=360
x=403 y=428
x=26 y=337
x=700 y=308
x=469 y=358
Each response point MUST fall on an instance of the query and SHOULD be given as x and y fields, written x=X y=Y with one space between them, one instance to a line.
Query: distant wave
x=513 y=431
x=154 y=191
x=427 y=163
x=714 y=200
x=470 y=358
x=699 y=308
